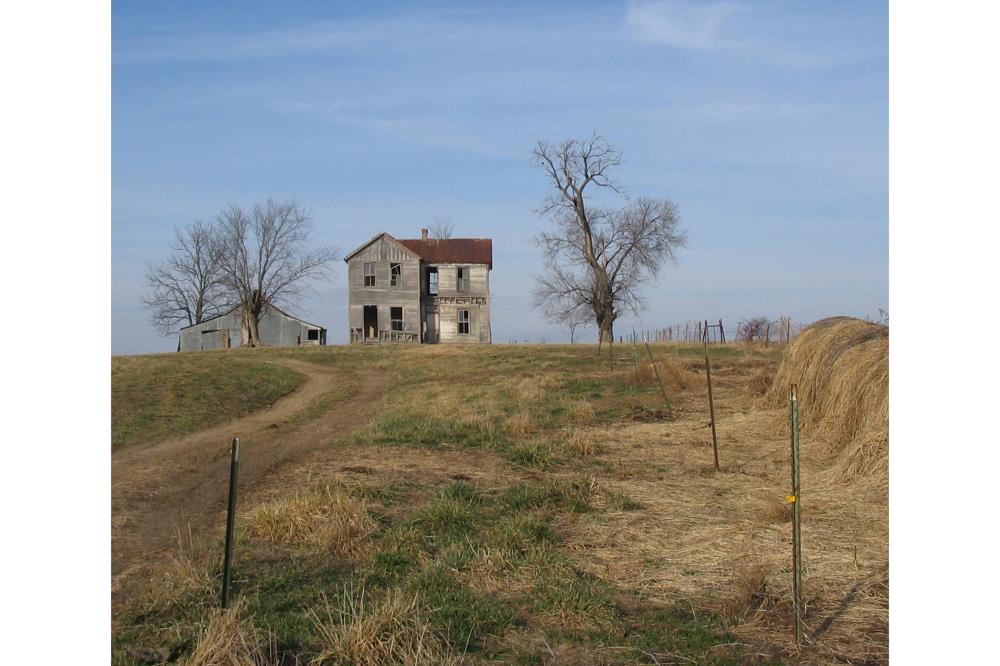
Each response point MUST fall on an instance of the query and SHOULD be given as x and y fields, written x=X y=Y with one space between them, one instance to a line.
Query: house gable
x=388 y=239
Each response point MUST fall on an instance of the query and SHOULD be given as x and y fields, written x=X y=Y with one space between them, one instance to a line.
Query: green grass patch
x=621 y=501
x=462 y=616
x=531 y=454
x=157 y=396
x=656 y=634
x=425 y=431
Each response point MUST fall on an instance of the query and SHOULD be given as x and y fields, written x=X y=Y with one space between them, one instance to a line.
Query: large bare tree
x=266 y=258
x=187 y=287
x=598 y=258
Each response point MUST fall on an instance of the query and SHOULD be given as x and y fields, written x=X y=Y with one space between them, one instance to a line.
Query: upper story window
x=463 y=322
x=463 y=278
x=395 y=275
x=432 y=281
x=370 y=274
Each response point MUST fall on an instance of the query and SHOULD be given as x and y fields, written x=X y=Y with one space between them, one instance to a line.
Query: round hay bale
x=841 y=366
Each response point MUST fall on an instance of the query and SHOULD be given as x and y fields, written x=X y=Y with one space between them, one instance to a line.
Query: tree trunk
x=605 y=332
x=250 y=337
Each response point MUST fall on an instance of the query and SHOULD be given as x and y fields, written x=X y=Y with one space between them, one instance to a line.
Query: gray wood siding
x=412 y=294
x=479 y=313
x=383 y=253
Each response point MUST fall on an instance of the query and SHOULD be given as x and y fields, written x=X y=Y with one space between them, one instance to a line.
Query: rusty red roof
x=452 y=250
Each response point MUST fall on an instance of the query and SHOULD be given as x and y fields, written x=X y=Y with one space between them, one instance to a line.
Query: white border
x=55 y=62
x=944 y=147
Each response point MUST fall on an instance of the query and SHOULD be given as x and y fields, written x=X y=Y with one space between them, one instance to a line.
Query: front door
x=433 y=326
x=371 y=322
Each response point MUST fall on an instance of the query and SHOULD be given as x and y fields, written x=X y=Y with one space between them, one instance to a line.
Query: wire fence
x=756 y=330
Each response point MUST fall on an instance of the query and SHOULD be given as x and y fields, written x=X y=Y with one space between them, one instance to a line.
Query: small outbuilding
x=276 y=328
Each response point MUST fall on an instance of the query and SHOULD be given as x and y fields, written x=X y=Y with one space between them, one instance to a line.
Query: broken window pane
x=396 y=315
x=370 y=274
x=463 y=278
x=395 y=275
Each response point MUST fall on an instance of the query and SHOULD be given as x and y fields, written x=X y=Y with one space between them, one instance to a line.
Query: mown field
x=501 y=504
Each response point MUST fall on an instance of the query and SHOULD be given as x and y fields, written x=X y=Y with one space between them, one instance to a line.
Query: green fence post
x=234 y=463
x=796 y=500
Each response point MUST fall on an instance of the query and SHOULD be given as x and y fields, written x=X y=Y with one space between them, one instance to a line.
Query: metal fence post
x=796 y=501
x=659 y=379
x=234 y=462
x=711 y=406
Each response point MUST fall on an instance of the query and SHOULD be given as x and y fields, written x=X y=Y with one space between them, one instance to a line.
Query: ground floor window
x=312 y=334
x=396 y=315
x=463 y=322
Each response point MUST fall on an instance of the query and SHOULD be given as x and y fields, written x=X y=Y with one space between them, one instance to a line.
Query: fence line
x=762 y=330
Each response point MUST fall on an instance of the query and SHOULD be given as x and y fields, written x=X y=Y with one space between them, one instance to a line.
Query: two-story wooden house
x=420 y=290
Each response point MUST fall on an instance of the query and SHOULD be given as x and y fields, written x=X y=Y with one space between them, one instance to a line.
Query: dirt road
x=181 y=483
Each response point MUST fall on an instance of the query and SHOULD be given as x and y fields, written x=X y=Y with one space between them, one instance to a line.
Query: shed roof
x=452 y=250
x=269 y=305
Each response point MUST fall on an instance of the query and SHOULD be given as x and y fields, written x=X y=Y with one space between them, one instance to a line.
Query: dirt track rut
x=181 y=483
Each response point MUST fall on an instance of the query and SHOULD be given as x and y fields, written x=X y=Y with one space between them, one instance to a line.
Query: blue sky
x=767 y=123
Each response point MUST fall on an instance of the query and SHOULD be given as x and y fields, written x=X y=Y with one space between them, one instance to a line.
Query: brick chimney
x=423 y=234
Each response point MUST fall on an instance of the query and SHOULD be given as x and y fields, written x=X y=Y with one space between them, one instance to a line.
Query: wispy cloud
x=251 y=45
x=453 y=31
x=688 y=25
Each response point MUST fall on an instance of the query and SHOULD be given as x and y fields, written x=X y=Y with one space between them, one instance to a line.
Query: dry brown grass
x=369 y=632
x=760 y=383
x=583 y=442
x=326 y=516
x=187 y=575
x=676 y=377
x=520 y=424
x=490 y=570
x=228 y=639
x=722 y=541
x=749 y=593
x=841 y=366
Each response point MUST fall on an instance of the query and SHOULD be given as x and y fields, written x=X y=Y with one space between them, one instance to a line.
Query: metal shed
x=276 y=328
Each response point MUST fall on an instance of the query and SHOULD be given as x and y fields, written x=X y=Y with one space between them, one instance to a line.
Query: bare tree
x=266 y=259
x=598 y=259
x=752 y=330
x=187 y=287
x=574 y=322
x=442 y=228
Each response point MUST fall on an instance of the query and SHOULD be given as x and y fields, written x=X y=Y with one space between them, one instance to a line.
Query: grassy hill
x=153 y=397
x=512 y=504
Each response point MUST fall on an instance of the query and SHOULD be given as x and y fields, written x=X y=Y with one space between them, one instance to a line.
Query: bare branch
x=266 y=259
x=442 y=228
x=187 y=287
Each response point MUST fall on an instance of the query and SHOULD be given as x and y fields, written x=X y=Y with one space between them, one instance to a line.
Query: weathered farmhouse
x=420 y=290
x=276 y=328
